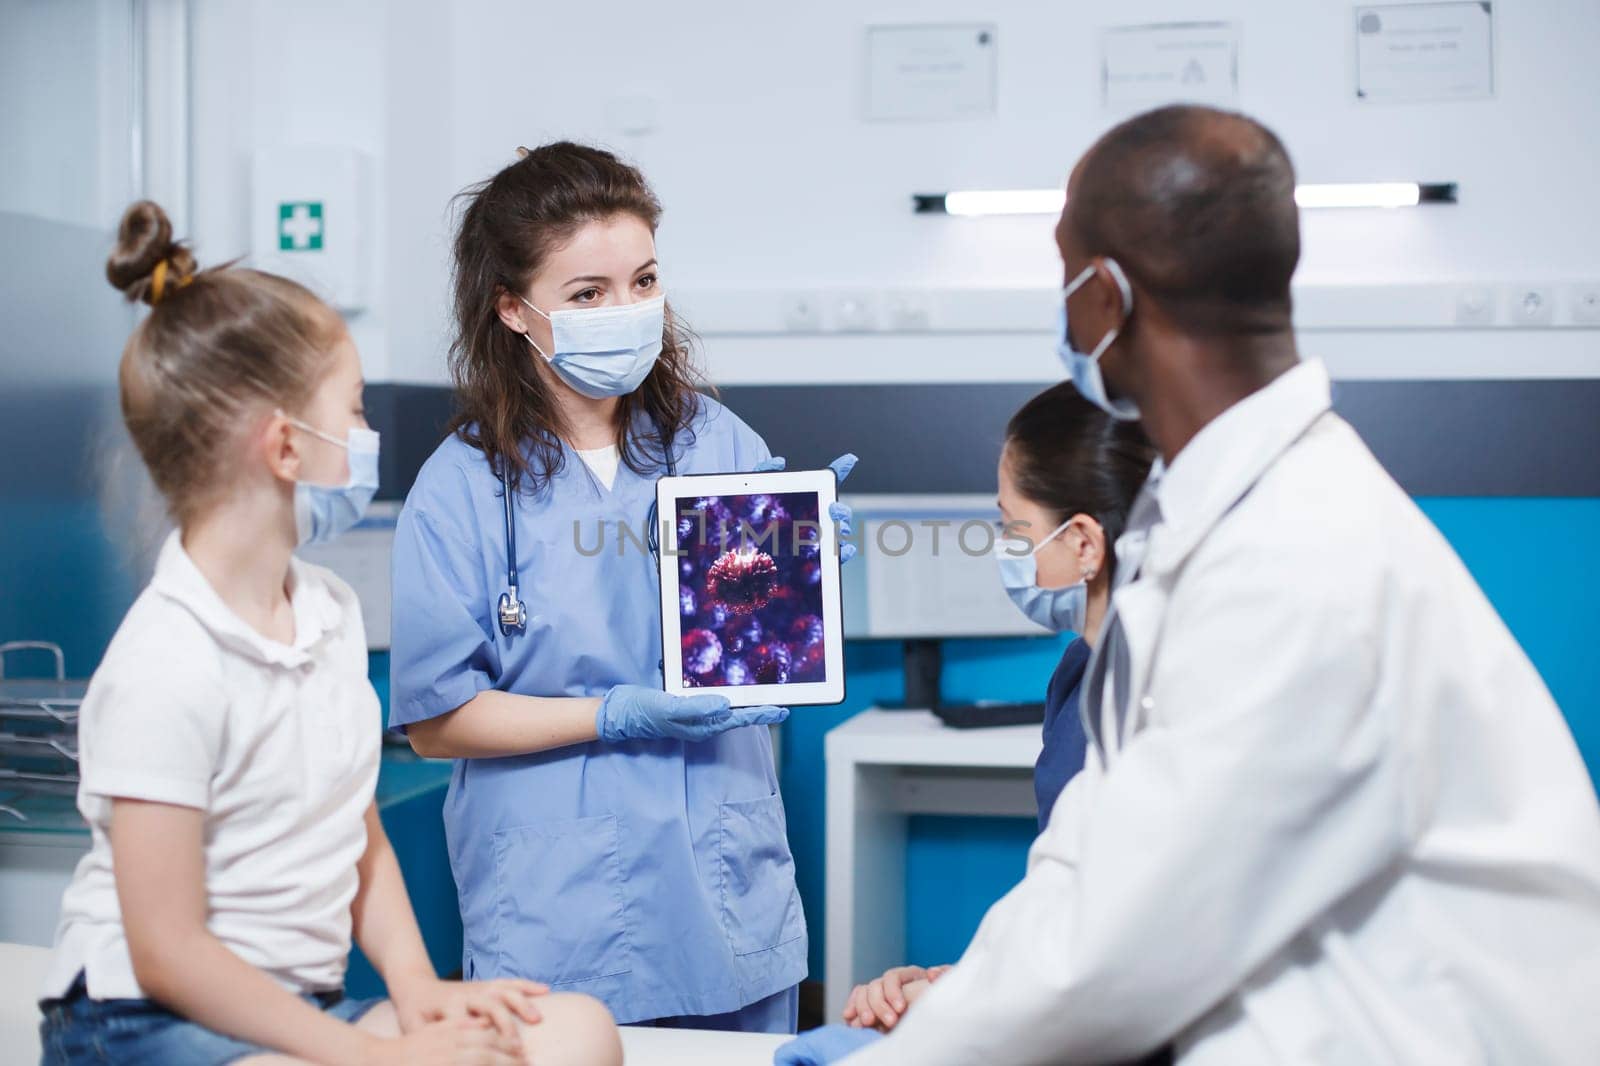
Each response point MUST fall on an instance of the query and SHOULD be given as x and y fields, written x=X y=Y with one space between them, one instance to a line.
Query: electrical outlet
x=855 y=312
x=1475 y=306
x=1532 y=305
x=908 y=312
x=1585 y=304
x=802 y=313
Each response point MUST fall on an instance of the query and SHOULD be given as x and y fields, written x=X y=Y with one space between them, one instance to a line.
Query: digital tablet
x=750 y=587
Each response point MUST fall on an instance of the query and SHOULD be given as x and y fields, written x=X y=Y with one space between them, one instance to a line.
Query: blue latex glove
x=821 y=1046
x=839 y=512
x=633 y=712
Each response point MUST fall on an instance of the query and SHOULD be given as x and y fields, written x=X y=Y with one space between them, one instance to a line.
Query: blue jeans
x=79 y=1031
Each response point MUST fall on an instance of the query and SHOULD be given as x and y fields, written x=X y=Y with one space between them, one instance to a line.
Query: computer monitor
x=926 y=569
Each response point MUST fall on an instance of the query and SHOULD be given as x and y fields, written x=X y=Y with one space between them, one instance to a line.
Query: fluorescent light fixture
x=1005 y=202
x=1360 y=194
x=972 y=202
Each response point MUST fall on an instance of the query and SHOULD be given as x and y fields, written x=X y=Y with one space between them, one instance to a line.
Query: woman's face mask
x=1058 y=610
x=604 y=351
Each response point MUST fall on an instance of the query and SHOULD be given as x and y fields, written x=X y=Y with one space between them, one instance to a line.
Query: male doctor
x=1331 y=815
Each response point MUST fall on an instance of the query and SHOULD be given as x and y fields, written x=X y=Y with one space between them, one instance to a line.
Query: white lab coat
x=1346 y=825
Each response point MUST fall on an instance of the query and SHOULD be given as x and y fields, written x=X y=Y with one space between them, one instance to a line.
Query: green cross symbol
x=300 y=226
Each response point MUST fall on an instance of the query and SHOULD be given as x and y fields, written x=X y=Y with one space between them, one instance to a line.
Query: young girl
x=604 y=836
x=229 y=740
x=1068 y=477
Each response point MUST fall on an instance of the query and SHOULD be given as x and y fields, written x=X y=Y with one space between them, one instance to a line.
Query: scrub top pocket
x=578 y=862
x=760 y=904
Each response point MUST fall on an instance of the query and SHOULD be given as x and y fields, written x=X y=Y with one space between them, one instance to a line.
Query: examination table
x=22 y=970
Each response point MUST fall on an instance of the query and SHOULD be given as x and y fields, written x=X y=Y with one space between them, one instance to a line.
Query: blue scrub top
x=654 y=875
x=1065 y=743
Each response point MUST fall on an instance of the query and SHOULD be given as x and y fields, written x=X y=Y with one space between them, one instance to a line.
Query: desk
x=882 y=767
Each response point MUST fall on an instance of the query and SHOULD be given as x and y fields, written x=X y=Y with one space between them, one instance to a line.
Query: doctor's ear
x=1107 y=290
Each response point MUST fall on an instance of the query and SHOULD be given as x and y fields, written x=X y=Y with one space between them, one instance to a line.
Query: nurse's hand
x=841 y=513
x=821 y=1046
x=634 y=712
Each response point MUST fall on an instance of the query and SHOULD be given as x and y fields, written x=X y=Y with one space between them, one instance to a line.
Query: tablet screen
x=750 y=589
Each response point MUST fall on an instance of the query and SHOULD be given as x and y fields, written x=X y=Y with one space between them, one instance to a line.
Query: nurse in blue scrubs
x=605 y=836
x=1068 y=476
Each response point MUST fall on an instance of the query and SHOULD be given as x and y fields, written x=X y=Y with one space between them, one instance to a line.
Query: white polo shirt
x=278 y=745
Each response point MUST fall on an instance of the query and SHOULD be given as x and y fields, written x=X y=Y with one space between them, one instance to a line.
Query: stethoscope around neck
x=512 y=612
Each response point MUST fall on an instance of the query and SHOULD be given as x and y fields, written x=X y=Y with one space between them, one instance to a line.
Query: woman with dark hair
x=1068 y=476
x=603 y=834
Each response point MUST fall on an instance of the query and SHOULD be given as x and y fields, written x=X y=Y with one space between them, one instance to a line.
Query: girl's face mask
x=323 y=512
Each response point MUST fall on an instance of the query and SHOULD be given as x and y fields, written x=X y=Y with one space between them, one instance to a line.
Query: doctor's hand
x=841 y=513
x=821 y=1046
x=880 y=1003
x=633 y=712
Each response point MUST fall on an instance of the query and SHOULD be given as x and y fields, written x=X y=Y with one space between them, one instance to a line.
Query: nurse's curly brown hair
x=509 y=225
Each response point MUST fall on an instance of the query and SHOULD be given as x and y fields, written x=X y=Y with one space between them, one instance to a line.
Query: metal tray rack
x=38 y=731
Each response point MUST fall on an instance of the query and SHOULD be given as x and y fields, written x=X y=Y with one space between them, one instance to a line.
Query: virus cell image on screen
x=750 y=592
x=743 y=580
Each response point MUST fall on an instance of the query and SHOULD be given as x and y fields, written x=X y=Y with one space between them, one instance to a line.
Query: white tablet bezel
x=822 y=482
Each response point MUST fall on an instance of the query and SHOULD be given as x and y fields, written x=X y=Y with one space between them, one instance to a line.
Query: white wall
x=66 y=78
x=66 y=174
x=287 y=72
x=772 y=181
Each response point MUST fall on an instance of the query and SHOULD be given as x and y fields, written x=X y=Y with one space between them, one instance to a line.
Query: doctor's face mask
x=1084 y=367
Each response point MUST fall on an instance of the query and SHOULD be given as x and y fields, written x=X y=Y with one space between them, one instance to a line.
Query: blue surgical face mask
x=604 y=351
x=1083 y=368
x=1058 y=610
x=322 y=512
